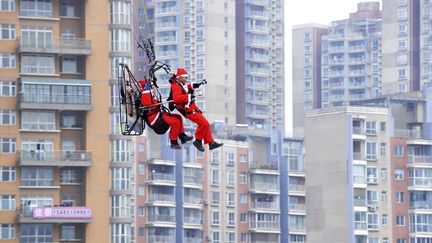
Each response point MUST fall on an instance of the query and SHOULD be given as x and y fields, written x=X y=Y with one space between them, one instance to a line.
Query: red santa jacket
x=150 y=103
x=182 y=97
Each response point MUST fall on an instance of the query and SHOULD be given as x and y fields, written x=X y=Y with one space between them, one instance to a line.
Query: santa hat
x=181 y=72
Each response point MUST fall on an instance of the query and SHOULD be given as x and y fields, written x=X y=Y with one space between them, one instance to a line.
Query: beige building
x=65 y=175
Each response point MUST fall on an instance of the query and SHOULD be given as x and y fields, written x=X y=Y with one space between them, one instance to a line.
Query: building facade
x=55 y=77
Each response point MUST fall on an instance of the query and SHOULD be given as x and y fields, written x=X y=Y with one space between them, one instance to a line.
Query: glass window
x=67 y=8
x=7 y=88
x=121 y=150
x=7 y=5
x=120 y=206
x=36 y=8
x=69 y=64
x=230 y=178
x=8 y=145
x=215 y=198
x=7 y=202
x=7 y=173
x=231 y=199
x=243 y=177
x=37 y=176
x=70 y=176
x=231 y=219
x=7 y=31
x=400 y=220
x=120 y=178
x=38 y=120
x=41 y=233
x=37 y=63
x=7 y=60
x=399 y=174
x=215 y=217
x=398 y=150
x=7 y=231
x=120 y=40
x=400 y=197
x=120 y=232
x=120 y=12
x=67 y=232
x=7 y=117
x=371 y=150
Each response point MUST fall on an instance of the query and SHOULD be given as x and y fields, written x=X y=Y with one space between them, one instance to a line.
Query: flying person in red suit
x=159 y=119
x=183 y=98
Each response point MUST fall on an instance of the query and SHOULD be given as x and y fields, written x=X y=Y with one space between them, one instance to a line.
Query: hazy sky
x=304 y=12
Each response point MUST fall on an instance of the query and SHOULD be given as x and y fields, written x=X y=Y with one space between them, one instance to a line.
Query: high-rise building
x=400 y=45
x=56 y=150
x=307 y=42
x=369 y=180
x=260 y=63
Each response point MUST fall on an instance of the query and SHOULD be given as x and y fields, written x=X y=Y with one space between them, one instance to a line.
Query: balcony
x=424 y=160
x=75 y=46
x=261 y=226
x=161 y=218
x=190 y=240
x=153 y=197
x=296 y=189
x=55 y=94
x=264 y=187
x=263 y=205
x=160 y=238
x=297 y=207
x=60 y=215
x=422 y=183
x=264 y=168
x=55 y=158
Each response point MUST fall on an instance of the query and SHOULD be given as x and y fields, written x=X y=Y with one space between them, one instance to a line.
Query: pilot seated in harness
x=160 y=119
x=182 y=94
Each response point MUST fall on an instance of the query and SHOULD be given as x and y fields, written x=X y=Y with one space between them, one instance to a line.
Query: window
x=231 y=237
x=7 y=202
x=402 y=14
x=400 y=220
x=384 y=219
x=214 y=178
x=37 y=176
x=199 y=34
x=373 y=240
x=384 y=196
x=38 y=120
x=70 y=176
x=141 y=231
x=7 y=173
x=371 y=150
x=230 y=159
x=141 y=190
x=120 y=12
x=243 y=177
x=400 y=197
x=120 y=178
x=402 y=87
x=8 y=145
x=372 y=221
x=120 y=206
x=121 y=150
x=231 y=219
x=67 y=232
x=371 y=127
x=382 y=126
x=37 y=64
x=7 y=231
x=215 y=157
x=7 y=117
x=69 y=64
x=68 y=200
x=7 y=5
x=200 y=20
x=402 y=73
x=120 y=40
x=401 y=59
x=243 y=197
x=36 y=8
x=398 y=150
x=141 y=211
x=400 y=240
x=243 y=158
x=67 y=8
x=243 y=237
x=402 y=29
x=372 y=176
x=215 y=217
x=399 y=174
x=402 y=44
x=141 y=168
x=383 y=174
x=215 y=237
x=7 y=32
x=382 y=149
x=7 y=88
x=7 y=60
x=120 y=232
x=42 y=233
x=230 y=178
x=243 y=218
x=385 y=240
x=230 y=199
x=215 y=198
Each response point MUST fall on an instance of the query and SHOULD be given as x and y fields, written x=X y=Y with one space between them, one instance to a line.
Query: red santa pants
x=203 y=129
x=176 y=123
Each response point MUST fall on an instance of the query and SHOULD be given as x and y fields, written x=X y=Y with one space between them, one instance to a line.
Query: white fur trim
x=155 y=119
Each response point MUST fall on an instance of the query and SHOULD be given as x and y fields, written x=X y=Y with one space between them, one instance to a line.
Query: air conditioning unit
x=373 y=208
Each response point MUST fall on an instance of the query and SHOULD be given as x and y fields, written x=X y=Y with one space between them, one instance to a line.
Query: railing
x=357 y=156
x=423 y=228
x=161 y=197
x=296 y=188
x=265 y=186
x=266 y=205
x=58 y=155
x=192 y=219
x=265 y=225
x=191 y=240
x=264 y=166
x=359 y=179
x=55 y=43
x=78 y=99
x=193 y=179
x=423 y=182
x=360 y=202
x=422 y=159
x=194 y=200
x=407 y=133
x=163 y=218
x=161 y=176
x=160 y=238
x=360 y=225
x=296 y=206
x=358 y=130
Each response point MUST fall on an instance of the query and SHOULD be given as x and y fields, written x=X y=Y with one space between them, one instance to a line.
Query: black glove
x=196 y=85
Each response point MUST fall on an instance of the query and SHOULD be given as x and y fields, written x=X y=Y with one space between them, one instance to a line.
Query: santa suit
x=174 y=120
x=184 y=103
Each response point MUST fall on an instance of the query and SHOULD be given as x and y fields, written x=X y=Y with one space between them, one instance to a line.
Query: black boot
x=175 y=145
x=198 y=144
x=185 y=138
x=214 y=145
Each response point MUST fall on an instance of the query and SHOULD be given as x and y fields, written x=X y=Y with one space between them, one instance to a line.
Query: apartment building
x=400 y=45
x=54 y=134
x=260 y=63
x=306 y=50
x=369 y=179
